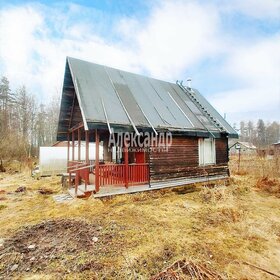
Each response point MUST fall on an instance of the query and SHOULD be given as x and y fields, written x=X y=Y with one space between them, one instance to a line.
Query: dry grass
x=255 y=166
x=271 y=186
x=219 y=227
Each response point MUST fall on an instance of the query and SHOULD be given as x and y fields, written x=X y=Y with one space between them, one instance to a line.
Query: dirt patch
x=268 y=185
x=20 y=189
x=46 y=191
x=58 y=246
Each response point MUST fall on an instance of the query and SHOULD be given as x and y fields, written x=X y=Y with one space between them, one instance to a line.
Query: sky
x=230 y=49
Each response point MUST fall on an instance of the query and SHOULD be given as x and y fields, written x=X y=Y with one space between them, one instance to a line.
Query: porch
x=107 y=191
x=114 y=168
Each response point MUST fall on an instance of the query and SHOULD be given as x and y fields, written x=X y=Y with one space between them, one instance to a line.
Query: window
x=207 y=151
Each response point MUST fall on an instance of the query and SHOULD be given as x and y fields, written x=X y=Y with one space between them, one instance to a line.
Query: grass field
x=231 y=230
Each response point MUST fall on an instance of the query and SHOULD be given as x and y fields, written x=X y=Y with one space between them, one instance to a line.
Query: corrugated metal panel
x=192 y=114
x=128 y=100
x=171 y=107
x=150 y=102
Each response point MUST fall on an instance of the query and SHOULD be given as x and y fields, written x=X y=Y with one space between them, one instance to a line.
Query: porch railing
x=110 y=174
x=78 y=163
x=81 y=170
x=115 y=174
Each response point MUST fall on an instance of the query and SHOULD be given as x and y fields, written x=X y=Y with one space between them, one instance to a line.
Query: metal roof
x=118 y=98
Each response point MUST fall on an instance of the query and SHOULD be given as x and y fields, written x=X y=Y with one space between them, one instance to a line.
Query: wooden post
x=68 y=157
x=79 y=144
x=126 y=164
x=68 y=150
x=73 y=158
x=96 y=161
x=87 y=146
x=73 y=145
x=239 y=156
x=87 y=158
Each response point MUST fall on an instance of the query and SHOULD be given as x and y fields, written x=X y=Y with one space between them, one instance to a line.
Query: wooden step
x=88 y=189
x=80 y=194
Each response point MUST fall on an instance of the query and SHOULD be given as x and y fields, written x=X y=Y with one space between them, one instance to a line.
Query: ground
x=230 y=231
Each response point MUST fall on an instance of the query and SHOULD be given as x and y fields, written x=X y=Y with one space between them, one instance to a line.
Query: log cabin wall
x=221 y=150
x=182 y=160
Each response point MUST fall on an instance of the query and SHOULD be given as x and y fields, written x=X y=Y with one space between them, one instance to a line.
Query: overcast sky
x=230 y=49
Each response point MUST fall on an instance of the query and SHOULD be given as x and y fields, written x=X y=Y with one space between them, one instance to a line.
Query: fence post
x=239 y=156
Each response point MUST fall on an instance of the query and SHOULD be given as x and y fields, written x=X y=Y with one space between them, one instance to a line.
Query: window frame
x=201 y=151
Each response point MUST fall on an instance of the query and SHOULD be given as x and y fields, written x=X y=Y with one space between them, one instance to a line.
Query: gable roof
x=114 y=98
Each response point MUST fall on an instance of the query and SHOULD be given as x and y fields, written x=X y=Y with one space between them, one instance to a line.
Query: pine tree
x=6 y=101
x=261 y=133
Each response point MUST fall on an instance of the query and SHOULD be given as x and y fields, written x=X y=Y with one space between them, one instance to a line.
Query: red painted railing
x=81 y=170
x=79 y=163
x=115 y=174
x=138 y=173
x=111 y=174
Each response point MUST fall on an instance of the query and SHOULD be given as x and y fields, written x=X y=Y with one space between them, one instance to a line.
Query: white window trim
x=201 y=147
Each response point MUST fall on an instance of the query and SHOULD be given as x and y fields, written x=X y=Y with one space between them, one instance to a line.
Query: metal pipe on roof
x=189 y=83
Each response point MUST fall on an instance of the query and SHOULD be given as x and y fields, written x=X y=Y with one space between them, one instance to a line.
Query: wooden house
x=154 y=133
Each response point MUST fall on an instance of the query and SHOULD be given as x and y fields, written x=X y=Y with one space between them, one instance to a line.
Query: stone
x=31 y=247
x=94 y=239
x=14 y=267
x=186 y=205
